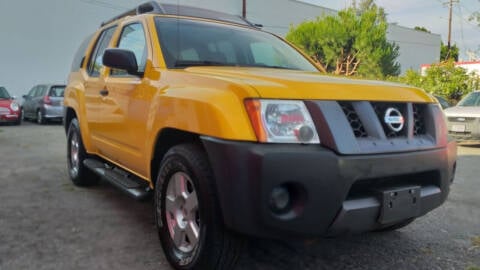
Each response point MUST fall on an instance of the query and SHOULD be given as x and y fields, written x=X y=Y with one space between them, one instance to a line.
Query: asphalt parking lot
x=47 y=223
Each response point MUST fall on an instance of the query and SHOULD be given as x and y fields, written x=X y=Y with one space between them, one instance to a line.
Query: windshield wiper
x=188 y=63
x=277 y=67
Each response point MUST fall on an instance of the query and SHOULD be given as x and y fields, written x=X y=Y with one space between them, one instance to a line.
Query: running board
x=128 y=183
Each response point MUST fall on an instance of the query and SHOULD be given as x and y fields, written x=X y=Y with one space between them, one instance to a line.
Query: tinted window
x=39 y=91
x=56 y=91
x=189 y=42
x=95 y=63
x=133 y=39
x=32 y=91
x=80 y=55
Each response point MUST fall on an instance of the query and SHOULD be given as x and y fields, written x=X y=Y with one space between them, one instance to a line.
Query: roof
x=154 y=7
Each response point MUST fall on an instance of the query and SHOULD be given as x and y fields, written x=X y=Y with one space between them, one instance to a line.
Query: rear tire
x=187 y=213
x=40 y=119
x=76 y=154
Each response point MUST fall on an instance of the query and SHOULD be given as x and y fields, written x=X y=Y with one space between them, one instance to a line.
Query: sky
x=431 y=14
x=38 y=38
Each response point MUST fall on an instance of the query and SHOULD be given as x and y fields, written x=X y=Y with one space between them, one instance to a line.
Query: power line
x=104 y=4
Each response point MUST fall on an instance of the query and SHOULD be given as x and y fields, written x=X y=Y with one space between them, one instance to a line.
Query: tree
x=422 y=29
x=445 y=54
x=351 y=43
x=444 y=79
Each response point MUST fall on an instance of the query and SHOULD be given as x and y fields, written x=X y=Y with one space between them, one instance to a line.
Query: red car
x=9 y=109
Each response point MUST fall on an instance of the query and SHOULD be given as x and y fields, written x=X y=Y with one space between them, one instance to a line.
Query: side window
x=40 y=91
x=95 y=62
x=133 y=39
x=79 y=57
x=32 y=91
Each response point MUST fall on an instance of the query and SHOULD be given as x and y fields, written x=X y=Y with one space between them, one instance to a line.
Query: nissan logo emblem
x=394 y=119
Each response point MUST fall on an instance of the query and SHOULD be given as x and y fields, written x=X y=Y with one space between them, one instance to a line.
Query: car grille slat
x=353 y=119
x=419 y=119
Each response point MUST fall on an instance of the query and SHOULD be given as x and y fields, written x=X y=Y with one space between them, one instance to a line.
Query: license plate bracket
x=458 y=128
x=399 y=204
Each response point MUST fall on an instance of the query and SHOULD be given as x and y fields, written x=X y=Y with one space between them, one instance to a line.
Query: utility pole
x=450 y=7
x=244 y=9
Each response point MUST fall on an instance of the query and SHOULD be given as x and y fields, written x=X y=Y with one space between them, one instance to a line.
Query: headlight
x=281 y=121
x=14 y=106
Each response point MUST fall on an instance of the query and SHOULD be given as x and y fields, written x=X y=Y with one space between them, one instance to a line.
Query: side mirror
x=14 y=97
x=121 y=59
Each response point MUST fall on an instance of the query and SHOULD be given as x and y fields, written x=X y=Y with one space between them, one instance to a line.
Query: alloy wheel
x=181 y=210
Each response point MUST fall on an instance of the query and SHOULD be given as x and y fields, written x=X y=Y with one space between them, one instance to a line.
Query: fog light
x=280 y=199
x=305 y=134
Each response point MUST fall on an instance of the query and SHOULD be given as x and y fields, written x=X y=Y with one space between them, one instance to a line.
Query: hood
x=290 y=84
x=5 y=103
x=463 y=111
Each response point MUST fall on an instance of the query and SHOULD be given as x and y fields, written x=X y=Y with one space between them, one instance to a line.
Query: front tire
x=187 y=213
x=76 y=154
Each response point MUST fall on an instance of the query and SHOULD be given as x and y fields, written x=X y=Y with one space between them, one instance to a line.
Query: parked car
x=236 y=132
x=443 y=102
x=9 y=108
x=44 y=103
x=463 y=120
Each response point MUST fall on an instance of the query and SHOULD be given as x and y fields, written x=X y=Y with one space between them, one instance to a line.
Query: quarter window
x=95 y=63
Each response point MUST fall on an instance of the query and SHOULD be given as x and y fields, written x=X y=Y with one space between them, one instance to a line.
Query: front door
x=127 y=103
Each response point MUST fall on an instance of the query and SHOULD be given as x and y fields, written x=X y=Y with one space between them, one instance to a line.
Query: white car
x=464 y=119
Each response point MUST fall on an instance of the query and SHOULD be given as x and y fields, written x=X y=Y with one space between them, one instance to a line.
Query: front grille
x=353 y=119
x=419 y=119
x=4 y=111
x=380 y=109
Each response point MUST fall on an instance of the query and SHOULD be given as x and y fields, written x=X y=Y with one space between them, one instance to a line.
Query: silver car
x=44 y=103
x=464 y=119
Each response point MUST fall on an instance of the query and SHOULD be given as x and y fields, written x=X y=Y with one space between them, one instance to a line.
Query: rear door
x=95 y=85
x=28 y=108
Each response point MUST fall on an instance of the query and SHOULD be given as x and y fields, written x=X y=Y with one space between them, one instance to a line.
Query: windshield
x=196 y=43
x=3 y=93
x=470 y=100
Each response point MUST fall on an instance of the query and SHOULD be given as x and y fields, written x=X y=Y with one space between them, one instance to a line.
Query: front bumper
x=334 y=194
x=9 y=118
x=464 y=129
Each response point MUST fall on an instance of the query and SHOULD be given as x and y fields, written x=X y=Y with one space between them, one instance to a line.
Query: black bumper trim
x=246 y=173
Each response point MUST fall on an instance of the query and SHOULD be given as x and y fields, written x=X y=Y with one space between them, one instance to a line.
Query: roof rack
x=148 y=7
x=171 y=9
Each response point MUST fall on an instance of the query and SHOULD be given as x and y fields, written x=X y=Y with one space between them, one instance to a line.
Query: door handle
x=104 y=92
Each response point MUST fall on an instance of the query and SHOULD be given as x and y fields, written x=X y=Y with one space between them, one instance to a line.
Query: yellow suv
x=235 y=132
